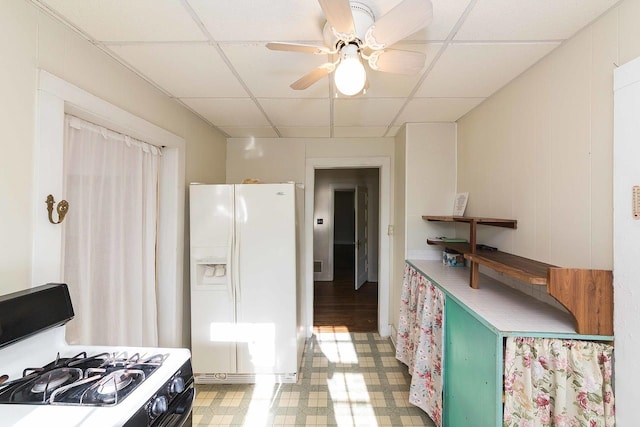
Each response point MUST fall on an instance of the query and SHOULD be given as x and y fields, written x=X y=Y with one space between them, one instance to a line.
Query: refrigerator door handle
x=236 y=262
x=230 y=271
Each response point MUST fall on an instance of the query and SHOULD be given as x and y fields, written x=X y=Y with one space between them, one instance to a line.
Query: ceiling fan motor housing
x=363 y=18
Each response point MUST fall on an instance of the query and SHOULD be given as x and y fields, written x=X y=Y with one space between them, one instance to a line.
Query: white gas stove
x=45 y=381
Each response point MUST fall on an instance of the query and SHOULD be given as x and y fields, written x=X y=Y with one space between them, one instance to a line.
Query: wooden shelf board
x=496 y=222
x=461 y=247
x=524 y=269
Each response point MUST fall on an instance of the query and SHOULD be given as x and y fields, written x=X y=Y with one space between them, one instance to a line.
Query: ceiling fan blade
x=313 y=76
x=297 y=47
x=397 y=61
x=338 y=14
x=403 y=20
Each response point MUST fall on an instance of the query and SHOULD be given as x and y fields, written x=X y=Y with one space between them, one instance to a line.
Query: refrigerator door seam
x=236 y=242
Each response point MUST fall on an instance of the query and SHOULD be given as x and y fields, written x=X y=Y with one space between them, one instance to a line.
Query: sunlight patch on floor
x=348 y=391
x=262 y=402
x=351 y=401
x=337 y=347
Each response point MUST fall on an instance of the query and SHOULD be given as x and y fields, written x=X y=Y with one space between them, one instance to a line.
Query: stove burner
x=113 y=387
x=114 y=382
x=101 y=380
x=51 y=380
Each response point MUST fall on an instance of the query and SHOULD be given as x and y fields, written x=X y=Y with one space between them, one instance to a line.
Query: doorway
x=346 y=249
x=344 y=229
x=384 y=231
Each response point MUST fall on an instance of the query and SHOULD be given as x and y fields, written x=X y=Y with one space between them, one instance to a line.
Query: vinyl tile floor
x=347 y=379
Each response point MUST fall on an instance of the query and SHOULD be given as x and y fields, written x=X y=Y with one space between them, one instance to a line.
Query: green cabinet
x=472 y=385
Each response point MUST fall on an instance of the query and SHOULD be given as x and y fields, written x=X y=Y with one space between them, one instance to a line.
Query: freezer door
x=212 y=298
x=211 y=215
x=266 y=293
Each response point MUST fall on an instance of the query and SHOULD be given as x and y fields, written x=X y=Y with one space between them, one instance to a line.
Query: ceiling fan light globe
x=350 y=76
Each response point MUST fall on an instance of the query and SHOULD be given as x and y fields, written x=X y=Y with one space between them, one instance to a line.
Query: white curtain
x=109 y=243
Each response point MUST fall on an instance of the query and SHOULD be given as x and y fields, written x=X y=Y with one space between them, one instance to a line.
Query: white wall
x=31 y=40
x=425 y=165
x=541 y=151
x=266 y=159
x=399 y=229
x=430 y=184
x=326 y=182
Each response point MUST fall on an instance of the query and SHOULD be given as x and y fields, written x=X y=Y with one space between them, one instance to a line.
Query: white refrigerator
x=246 y=282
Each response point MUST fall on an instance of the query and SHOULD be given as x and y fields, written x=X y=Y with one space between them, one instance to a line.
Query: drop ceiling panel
x=225 y=112
x=269 y=73
x=445 y=16
x=296 y=112
x=478 y=70
x=530 y=20
x=421 y=110
x=365 y=111
x=249 y=132
x=261 y=20
x=305 y=132
x=183 y=70
x=127 y=20
x=359 y=131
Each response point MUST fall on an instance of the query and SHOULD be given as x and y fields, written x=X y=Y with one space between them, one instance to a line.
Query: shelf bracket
x=587 y=295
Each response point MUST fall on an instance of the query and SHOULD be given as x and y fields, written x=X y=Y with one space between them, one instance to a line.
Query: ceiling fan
x=353 y=34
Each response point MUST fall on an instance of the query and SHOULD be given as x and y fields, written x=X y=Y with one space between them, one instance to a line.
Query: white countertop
x=502 y=308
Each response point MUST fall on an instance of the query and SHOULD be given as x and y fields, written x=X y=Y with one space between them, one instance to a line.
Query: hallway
x=338 y=304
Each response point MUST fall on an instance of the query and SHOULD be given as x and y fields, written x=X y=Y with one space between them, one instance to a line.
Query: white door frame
x=626 y=232
x=358 y=267
x=55 y=98
x=384 y=252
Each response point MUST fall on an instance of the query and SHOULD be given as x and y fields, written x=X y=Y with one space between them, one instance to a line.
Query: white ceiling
x=210 y=56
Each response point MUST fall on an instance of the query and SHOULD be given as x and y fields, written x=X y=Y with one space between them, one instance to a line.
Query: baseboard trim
x=393 y=335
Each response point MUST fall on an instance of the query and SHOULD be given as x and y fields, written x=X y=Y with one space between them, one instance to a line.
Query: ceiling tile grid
x=128 y=20
x=479 y=69
x=211 y=56
x=531 y=20
x=183 y=70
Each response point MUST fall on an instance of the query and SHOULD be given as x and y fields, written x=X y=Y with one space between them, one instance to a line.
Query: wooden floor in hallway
x=338 y=306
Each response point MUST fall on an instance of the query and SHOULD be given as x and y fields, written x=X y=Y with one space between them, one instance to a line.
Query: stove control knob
x=159 y=406
x=176 y=386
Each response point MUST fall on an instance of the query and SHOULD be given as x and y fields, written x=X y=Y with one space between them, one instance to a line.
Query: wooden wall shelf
x=473 y=222
x=496 y=222
x=527 y=270
x=586 y=294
